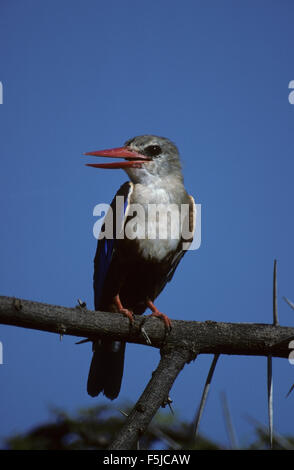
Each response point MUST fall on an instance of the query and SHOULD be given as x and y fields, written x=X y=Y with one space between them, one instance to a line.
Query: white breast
x=156 y=221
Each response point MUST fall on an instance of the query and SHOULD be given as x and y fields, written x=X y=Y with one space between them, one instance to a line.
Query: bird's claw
x=127 y=313
x=124 y=311
x=164 y=317
x=158 y=314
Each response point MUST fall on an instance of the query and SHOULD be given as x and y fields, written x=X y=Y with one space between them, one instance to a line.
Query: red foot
x=158 y=314
x=124 y=311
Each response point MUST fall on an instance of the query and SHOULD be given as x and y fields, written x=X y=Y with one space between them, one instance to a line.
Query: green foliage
x=95 y=428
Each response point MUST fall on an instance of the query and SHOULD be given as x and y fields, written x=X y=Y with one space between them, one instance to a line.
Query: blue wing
x=106 y=246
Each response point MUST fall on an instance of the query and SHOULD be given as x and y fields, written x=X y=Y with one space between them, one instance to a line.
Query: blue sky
x=210 y=75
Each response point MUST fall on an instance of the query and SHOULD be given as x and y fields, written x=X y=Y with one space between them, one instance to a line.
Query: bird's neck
x=158 y=190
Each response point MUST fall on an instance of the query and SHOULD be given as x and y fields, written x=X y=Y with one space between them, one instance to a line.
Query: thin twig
x=204 y=396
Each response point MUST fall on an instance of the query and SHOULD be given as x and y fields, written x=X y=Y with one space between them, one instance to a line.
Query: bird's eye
x=152 y=150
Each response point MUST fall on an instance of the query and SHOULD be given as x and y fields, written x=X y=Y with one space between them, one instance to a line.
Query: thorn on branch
x=270 y=360
x=270 y=398
x=292 y=387
x=62 y=331
x=81 y=304
x=144 y=333
x=168 y=403
x=195 y=425
x=289 y=302
x=82 y=341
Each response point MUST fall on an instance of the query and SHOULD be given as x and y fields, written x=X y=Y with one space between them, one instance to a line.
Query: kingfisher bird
x=131 y=271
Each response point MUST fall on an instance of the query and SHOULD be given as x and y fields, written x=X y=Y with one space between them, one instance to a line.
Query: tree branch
x=155 y=394
x=201 y=337
x=186 y=340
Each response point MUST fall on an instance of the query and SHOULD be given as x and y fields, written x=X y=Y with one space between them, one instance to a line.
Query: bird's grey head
x=163 y=159
x=147 y=159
